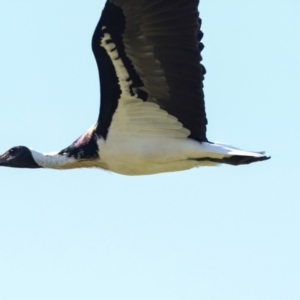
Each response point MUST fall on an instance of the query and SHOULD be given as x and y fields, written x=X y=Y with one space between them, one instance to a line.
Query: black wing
x=159 y=44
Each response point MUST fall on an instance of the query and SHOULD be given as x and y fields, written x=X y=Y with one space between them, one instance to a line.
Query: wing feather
x=159 y=42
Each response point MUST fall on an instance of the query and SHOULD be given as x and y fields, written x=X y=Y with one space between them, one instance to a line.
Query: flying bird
x=152 y=116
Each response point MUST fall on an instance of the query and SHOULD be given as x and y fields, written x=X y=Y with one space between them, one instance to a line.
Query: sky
x=212 y=233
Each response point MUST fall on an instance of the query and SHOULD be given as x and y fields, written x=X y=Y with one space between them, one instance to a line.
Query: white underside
x=144 y=139
x=152 y=155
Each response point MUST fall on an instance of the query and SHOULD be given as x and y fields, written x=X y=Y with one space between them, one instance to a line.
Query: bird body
x=130 y=153
x=152 y=117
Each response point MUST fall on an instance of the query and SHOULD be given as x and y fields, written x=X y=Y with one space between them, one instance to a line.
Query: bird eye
x=12 y=151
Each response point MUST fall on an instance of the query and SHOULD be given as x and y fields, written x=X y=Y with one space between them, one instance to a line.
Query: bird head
x=18 y=157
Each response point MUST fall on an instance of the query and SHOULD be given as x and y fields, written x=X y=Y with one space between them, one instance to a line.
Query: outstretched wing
x=158 y=43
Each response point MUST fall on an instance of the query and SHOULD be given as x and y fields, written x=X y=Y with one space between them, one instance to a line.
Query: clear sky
x=224 y=233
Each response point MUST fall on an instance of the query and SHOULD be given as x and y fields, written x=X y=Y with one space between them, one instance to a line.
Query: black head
x=18 y=157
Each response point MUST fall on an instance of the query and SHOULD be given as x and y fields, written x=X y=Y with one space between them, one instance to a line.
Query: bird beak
x=4 y=162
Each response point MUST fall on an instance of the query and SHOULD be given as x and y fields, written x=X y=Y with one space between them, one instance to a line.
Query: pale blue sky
x=225 y=233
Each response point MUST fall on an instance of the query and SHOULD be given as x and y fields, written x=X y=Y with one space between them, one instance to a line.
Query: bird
x=152 y=115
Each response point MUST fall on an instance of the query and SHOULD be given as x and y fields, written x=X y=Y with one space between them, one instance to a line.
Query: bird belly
x=131 y=154
x=134 y=154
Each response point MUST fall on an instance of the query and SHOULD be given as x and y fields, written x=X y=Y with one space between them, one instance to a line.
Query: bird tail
x=225 y=154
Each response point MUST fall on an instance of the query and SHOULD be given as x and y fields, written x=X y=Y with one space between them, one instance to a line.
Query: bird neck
x=53 y=160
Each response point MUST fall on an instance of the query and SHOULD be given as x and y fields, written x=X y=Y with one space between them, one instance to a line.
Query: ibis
x=152 y=115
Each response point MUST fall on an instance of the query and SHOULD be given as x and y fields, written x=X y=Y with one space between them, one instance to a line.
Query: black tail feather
x=234 y=160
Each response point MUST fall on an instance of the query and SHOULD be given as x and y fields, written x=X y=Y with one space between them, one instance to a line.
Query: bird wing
x=158 y=44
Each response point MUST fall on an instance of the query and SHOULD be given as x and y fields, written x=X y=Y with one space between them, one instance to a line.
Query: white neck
x=53 y=160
